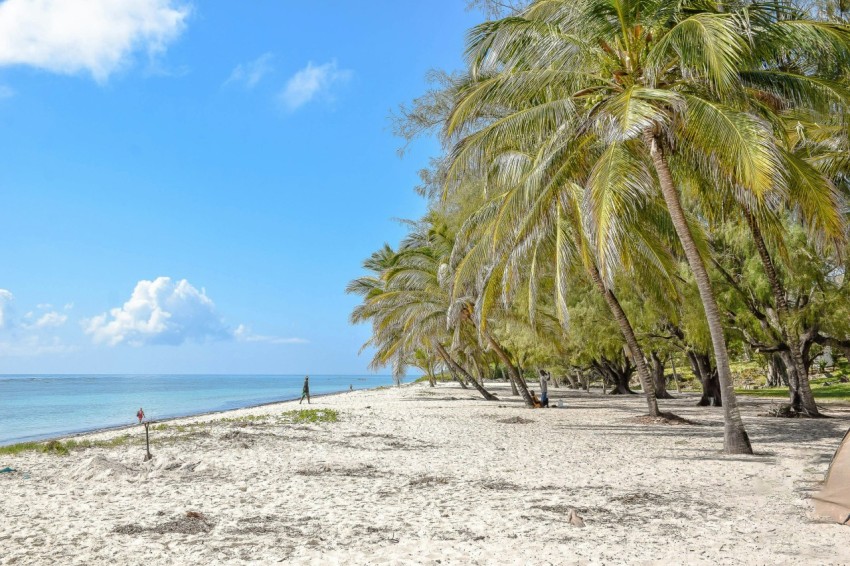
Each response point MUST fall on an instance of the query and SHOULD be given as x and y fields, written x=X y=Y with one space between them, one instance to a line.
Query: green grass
x=60 y=448
x=311 y=416
x=834 y=392
x=244 y=419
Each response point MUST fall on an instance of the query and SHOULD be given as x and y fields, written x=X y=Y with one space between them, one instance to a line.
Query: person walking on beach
x=306 y=391
x=544 y=388
x=140 y=415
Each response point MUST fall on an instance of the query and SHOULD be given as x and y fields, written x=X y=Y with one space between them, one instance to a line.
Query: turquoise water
x=34 y=407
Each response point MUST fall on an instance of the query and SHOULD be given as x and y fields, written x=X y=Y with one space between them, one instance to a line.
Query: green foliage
x=61 y=448
x=310 y=416
x=440 y=378
x=546 y=192
x=243 y=419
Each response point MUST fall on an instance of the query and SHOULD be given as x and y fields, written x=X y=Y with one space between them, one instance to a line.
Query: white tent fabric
x=833 y=500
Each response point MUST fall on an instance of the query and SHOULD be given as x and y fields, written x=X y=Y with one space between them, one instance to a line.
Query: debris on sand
x=515 y=420
x=784 y=411
x=192 y=523
x=661 y=419
x=428 y=480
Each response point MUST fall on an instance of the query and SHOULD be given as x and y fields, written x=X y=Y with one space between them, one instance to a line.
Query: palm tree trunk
x=513 y=373
x=735 y=438
x=455 y=374
x=449 y=360
x=800 y=389
x=628 y=332
x=514 y=390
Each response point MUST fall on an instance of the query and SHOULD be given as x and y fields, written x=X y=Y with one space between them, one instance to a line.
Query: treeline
x=622 y=180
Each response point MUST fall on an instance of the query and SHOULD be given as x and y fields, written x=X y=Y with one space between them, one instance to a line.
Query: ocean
x=35 y=407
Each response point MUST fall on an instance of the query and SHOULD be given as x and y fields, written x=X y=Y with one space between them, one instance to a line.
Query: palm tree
x=538 y=216
x=406 y=303
x=678 y=87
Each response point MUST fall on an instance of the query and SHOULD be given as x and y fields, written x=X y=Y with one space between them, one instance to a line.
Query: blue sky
x=188 y=187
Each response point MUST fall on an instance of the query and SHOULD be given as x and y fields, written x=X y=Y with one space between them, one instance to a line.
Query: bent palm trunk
x=513 y=373
x=635 y=351
x=451 y=362
x=455 y=375
x=735 y=438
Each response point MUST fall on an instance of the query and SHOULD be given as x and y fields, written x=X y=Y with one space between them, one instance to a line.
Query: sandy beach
x=416 y=475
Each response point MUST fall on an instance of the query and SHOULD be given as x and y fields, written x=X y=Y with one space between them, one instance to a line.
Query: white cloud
x=244 y=334
x=251 y=73
x=50 y=319
x=6 y=298
x=47 y=318
x=159 y=312
x=22 y=338
x=94 y=36
x=310 y=82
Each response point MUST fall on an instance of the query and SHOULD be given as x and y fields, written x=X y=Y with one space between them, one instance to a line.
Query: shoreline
x=116 y=428
x=396 y=478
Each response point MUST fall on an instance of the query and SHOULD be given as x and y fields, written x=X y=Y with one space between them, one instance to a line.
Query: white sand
x=418 y=475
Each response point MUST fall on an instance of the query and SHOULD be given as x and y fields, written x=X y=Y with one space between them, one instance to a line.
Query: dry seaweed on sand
x=190 y=523
x=362 y=471
x=425 y=480
x=500 y=485
x=515 y=420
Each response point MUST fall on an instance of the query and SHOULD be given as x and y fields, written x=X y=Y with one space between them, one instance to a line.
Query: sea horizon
x=36 y=407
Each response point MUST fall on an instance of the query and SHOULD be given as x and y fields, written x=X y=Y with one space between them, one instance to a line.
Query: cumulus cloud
x=159 y=312
x=310 y=82
x=6 y=298
x=251 y=73
x=94 y=36
x=244 y=334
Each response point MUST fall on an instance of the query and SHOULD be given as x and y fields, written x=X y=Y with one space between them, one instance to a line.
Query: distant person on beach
x=140 y=415
x=350 y=387
x=306 y=391
x=544 y=388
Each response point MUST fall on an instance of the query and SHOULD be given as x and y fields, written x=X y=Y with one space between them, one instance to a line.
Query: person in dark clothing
x=544 y=388
x=305 y=393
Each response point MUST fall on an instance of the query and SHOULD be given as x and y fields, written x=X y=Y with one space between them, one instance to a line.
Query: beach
x=420 y=475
